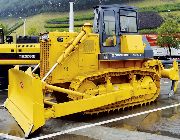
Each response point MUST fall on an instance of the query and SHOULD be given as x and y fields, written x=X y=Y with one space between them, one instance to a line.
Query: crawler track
x=131 y=102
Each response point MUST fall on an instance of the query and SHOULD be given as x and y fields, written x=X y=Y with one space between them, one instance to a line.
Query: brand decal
x=136 y=54
x=26 y=56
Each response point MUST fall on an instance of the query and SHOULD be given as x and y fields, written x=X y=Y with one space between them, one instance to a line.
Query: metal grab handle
x=37 y=66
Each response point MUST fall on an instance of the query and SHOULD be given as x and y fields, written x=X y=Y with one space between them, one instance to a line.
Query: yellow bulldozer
x=99 y=69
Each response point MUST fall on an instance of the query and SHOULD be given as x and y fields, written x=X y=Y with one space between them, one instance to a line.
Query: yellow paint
x=81 y=77
x=6 y=48
x=23 y=102
x=84 y=56
x=172 y=73
x=132 y=44
x=15 y=49
x=19 y=62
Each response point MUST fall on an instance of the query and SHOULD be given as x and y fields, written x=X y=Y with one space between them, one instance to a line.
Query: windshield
x=128 y=21
x=109 y=29
x=109 y=21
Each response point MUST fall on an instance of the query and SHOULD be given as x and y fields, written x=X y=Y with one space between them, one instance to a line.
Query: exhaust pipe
x=71 y=18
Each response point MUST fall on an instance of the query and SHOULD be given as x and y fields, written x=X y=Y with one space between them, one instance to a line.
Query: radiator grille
x=44 y=59
x=88 y=46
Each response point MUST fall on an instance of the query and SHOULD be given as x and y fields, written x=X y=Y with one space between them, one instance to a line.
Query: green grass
x=63 y=22
x=150 y=3
x=148 y=31
x=37 y=21
x=175 y=14
x=61 y=25
x=162 y=8
x=76 y=29
x=78 y=17
x=76 y=24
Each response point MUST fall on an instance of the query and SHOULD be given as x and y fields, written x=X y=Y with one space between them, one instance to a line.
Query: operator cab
x=1 y=36
x=112 y=23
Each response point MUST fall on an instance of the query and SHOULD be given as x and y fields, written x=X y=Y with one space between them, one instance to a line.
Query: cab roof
x=116 y=6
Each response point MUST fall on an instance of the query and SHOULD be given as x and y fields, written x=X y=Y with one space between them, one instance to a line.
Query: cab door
x=109 y=32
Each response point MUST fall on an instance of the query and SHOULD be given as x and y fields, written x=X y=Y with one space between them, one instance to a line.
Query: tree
x=167 y=34
x=32 y=31
x=5 y=28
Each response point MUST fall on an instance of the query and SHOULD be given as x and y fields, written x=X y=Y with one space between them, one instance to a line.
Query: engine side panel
x=82 y=60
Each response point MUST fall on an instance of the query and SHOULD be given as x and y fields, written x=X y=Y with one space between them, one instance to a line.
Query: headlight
x=44 y=37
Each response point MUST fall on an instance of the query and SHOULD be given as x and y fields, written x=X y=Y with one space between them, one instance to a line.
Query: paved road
x=159 y=125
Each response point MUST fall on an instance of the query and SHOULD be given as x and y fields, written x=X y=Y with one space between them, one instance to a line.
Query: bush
x=5 y=28
x=32 y=31
x=15 y=26
x=166 y=34
x=149 y=20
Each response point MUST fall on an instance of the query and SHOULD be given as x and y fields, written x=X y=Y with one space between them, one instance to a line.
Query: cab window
x=128 y=21
x=109 y=28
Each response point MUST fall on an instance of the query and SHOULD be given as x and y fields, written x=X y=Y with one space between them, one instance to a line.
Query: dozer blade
x=25 y=100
